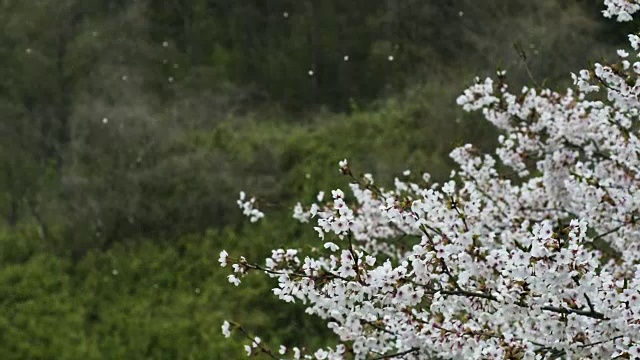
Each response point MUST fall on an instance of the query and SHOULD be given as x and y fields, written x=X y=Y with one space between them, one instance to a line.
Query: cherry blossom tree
x=532 y=252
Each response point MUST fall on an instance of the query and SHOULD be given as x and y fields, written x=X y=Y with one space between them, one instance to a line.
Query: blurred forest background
x=128 y=128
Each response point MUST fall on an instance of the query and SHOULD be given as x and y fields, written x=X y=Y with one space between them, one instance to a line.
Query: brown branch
x=589 y=302
x=454 y=204
x=567 y=311
x=375 y=326
x=523 y=57
x=260 y=346
x=356 y=260
x=559 y=310
x=329 y=275
x=398 y=354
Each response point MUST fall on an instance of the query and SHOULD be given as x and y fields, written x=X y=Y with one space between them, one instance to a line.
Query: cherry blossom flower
x=223 y=258
x=226 y=329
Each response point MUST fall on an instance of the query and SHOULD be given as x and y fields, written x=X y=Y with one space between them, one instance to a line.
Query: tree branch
x=394 y=355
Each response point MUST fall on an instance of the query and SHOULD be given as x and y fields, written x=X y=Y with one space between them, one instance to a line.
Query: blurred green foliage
x=129 y=127
x=144 y=119
x=143 y=300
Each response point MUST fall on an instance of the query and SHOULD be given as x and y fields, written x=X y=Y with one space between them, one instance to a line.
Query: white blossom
x=226 y=329
x=223 y=258
x=234 y=280
x=248 y=208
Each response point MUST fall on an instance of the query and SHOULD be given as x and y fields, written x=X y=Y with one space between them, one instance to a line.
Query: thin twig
x=523 y=57
x=259 y=344
x=394 y=355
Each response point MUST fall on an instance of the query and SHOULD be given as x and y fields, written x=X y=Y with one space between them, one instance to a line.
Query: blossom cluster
x=621 y=9
x=532 y=252
x=248 y=208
